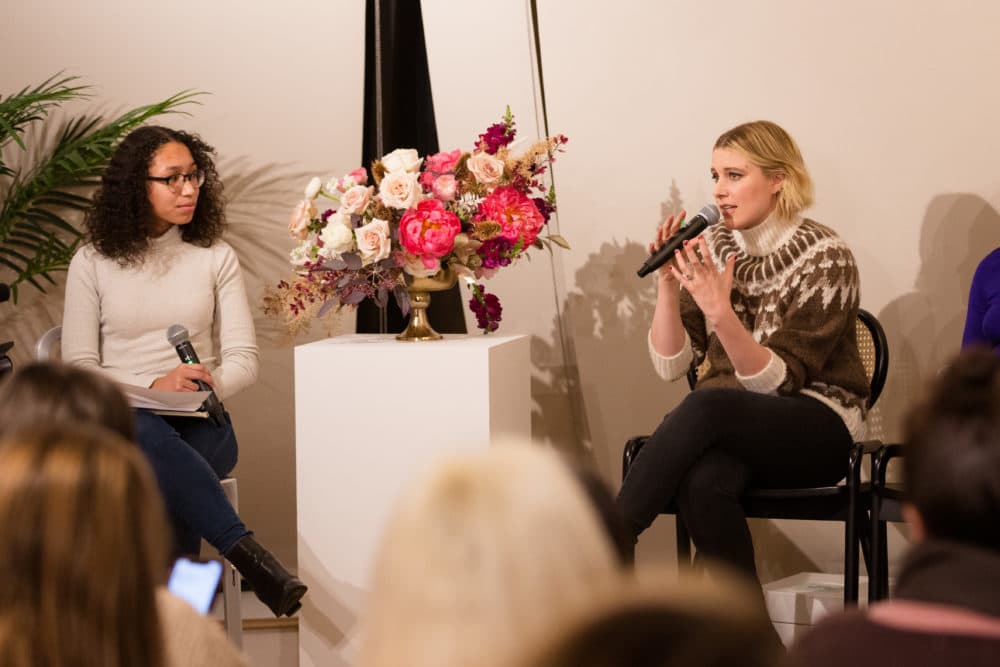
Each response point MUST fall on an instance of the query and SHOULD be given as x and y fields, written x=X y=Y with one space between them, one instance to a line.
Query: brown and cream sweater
x=795 y=288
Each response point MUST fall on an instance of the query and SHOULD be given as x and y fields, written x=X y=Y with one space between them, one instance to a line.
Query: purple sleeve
x=982 y=320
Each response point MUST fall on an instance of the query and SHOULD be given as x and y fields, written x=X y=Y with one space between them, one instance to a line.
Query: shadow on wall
x=924 y=326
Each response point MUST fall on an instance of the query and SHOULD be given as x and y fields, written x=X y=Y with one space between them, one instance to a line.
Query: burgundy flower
x=486 y=308
x=497 y=136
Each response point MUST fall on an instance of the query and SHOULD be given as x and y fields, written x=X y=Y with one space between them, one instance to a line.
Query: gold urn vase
x=419 y=289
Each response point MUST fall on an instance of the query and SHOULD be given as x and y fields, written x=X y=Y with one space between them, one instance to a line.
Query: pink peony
x=515 y=212
x=442 y=163
x=428 y=231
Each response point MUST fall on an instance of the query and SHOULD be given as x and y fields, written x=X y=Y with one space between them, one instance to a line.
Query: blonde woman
x=83 y=558
x=768 y=302
x=483 y=554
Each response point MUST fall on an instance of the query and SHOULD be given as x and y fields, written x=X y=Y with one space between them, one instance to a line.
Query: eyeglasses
x=175 y=182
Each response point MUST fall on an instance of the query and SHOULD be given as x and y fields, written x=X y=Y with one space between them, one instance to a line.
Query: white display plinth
x=371 y=413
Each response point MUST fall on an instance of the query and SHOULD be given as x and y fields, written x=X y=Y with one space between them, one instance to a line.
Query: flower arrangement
x=468 y=212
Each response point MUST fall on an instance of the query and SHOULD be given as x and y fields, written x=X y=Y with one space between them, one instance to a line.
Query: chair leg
x=875 y=574
x=231 y=590
x=683 y=543
x=851 y=558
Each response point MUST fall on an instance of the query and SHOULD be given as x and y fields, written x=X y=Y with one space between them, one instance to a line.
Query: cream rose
x=356 y=199
x=298 y=223
x=486 y=168
x=312 y=189
x=336 y=237
x=402 y=159
x=416 y=267
x=399 y=189
x=373 y=241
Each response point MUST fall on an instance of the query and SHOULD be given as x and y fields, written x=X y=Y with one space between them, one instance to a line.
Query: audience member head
x=45 y=393
x=952 y=461
x=771 y=148
x=660 y=621
x=119 y=222
x=81 y=550
x=482 y=554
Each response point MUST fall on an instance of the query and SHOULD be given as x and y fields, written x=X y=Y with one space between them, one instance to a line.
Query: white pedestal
x=371 y=413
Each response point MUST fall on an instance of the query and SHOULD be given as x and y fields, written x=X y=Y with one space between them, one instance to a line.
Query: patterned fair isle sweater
x=795 y=288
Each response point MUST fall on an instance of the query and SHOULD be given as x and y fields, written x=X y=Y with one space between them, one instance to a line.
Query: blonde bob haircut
x=482 y=555
x=768 y=146
x=81 y=550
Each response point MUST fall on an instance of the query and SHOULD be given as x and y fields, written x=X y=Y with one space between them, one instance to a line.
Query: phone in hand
x=195 y=582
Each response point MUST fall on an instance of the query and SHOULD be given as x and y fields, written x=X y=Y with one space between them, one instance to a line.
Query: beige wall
x=892 y=105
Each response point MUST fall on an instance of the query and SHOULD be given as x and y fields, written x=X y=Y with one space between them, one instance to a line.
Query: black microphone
x=4 y=292
x=709 y=215
x=179 y=338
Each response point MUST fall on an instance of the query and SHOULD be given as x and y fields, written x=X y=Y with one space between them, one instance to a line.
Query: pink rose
x=515 y=212
x=360 y=175
x=356 y=199
x=373 y=241
x=428 y=231
x=444 y=187
x=427 y=179
x=442 y=163
x=486 y=168
x=298 y=223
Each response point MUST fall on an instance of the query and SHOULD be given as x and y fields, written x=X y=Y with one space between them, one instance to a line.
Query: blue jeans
x=189 y=456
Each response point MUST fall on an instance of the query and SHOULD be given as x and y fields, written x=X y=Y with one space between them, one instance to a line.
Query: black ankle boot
x=275 y=586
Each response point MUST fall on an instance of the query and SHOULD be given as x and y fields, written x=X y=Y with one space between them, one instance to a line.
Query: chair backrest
x=45 y=348
x=873 y=348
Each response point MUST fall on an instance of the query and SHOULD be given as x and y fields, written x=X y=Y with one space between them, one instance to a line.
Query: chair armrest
x=880 y=462
x=632 y=449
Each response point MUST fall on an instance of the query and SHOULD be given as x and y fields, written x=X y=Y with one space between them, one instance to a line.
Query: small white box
x=797 y=602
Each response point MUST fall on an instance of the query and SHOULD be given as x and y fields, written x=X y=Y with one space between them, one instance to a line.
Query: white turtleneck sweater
x=795 y=288
x=115 y=319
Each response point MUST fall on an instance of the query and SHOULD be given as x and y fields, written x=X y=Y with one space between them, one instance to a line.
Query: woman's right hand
x=183 y=377
x=669 y=227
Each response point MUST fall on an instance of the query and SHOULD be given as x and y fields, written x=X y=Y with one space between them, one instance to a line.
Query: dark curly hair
x=118 y=222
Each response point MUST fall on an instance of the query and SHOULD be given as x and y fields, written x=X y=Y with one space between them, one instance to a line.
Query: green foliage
x=37 y=237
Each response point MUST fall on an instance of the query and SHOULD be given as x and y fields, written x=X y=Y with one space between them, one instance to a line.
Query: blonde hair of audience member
x=481 y=555
x=768 y=146
x=658 y=620
x=81 y=551
x=49 y=392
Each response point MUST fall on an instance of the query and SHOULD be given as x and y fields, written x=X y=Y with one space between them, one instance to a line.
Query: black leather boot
x=275 y=586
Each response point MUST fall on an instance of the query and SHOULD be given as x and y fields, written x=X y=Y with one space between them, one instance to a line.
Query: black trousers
x=713 y=446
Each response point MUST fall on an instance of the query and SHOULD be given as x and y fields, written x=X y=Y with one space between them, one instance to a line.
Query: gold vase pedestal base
x=419 y=328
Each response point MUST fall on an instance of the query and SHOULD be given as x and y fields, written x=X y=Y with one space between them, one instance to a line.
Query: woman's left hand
x=709 y=287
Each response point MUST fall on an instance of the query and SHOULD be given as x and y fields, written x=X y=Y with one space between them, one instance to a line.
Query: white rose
x=486 y=168
x=356 y=199
x=303 y=253
x=337 y=237
x=402 y=159
x=312 y=189
x=373 y=241
x=399 y=189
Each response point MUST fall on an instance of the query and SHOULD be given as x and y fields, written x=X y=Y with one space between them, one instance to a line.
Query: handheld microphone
x=178 y=336
x=709 y=215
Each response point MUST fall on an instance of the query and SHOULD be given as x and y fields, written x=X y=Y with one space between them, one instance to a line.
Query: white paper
x=157 y=399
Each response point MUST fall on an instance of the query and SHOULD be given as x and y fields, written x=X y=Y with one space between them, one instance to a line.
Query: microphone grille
x=177 y=334
x=710 y=213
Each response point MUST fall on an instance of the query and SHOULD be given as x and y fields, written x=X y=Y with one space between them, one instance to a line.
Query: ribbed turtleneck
x=766 y=237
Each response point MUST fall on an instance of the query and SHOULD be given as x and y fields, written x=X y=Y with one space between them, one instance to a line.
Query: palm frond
x=19 y=110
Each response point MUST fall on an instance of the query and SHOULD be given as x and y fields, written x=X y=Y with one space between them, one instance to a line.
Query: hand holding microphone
x=709 y=215
x=178 y=336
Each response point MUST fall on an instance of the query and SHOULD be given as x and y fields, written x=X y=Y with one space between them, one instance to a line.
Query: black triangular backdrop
x=407 y=110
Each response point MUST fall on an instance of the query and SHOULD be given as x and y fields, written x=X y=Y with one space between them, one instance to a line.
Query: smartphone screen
x=195 y=581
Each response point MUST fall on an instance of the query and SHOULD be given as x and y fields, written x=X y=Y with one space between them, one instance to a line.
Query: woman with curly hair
x=155 y=259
